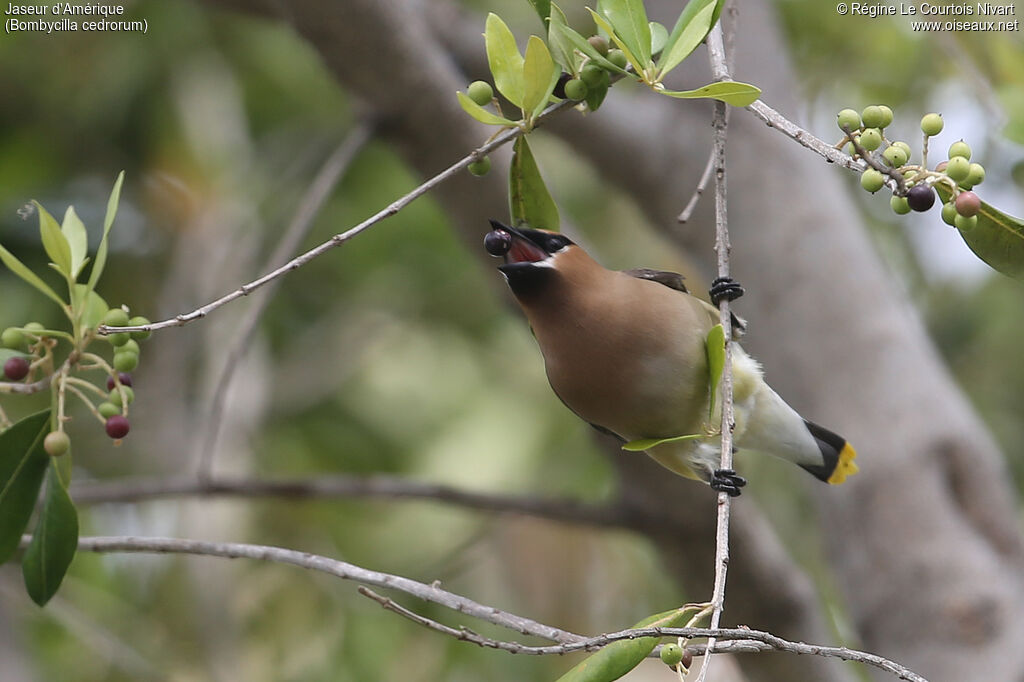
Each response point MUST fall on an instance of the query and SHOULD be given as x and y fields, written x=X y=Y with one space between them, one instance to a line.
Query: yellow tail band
x=846 y=466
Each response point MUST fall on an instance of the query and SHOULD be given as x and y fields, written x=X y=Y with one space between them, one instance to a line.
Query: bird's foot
x=724 y=288
x=727 y=481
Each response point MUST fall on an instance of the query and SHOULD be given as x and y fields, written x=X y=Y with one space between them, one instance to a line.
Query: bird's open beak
x=520 y=244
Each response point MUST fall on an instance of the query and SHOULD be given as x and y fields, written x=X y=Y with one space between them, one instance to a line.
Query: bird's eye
x=556 y=242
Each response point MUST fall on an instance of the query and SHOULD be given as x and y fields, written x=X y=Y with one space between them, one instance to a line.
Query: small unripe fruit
x=576 y=89
x=894 y=156
x=108 y=409
x=16 y=368
x=848 y=119
x=594 y=76
x=13 y=338
x=115 y=396
x=480 y=167
x=872 y=180
x=618 y=58
x=887 y=116
x=119 y=338
x=931 y=124
x=56 y=443
x=958 y=168
x=964 y=223
x=671 y=654
x=480 y=92
x=967 y=204
x=600 y=44
x=125 y=377
x=873 y=116
x=949 y=213
x=960 y=148
x=117 y=426
x=498 y=242
x=115 y=317
x=899 y=205
x=126 y=361
x=34 y=327
x=871 y=139
x=850 y=149
x=976 y=175
x=902 y=145
x=921 y=197
x=139 y=321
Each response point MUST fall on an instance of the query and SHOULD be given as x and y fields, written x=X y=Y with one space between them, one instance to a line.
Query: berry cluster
x=915 y=184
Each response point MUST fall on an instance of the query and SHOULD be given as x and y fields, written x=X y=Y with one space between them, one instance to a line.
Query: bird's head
x=532 y=257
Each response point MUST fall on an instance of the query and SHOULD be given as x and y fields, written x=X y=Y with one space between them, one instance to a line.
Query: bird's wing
x=673 y=280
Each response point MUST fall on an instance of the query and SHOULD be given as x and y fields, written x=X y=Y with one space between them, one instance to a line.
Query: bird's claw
x=727 y=481
x=724 y=288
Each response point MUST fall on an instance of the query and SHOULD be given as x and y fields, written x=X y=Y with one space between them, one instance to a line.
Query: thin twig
x=339 y=239
x=309 y=207
x=720 y=70
x=705 y=178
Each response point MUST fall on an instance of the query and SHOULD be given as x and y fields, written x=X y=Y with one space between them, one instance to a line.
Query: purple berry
x=117 y=426
x=16 y=368
x=921 y=197
x=498 y=242
x=125 y=377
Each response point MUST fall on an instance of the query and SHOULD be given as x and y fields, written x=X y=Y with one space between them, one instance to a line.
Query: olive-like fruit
x=872 y=180
x=115 y=317
x=125 y=377
x=848 y=119
x=117 y=426
x=873 y=116
x=958 y=168
x=671 y=654
x=16 y=368
x=964 y=223
x=498 y=242
x=140 y=321
x=618 y=58
x=480 y=167
x=967 y=204
x=902 y=145
x=931 y=124
x=949 y=213
x=119 y=338
x=895 y=156
x=887 y=116
x=13 y=338
x=594 y=76
x=899 y=205
x=115 y=396
x=599 y=43
x=480 y=92
x=921 y=197
x=960 y=148
x=56 y=443
x=576 y=89
x=108 y=409
x=976 y=175
x=871 y=139
x=126 y=361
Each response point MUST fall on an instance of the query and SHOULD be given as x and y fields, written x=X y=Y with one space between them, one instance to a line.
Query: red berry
x=921 y=197
x=967 y=204
x=125 y=377
x=16 y=368
x=117 y=426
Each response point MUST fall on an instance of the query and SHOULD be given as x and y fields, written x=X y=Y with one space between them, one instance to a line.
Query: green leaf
x=621 y=656
x=481 y=114
x=539 y=77
x=543 y=8
x=714 y=345
x=529 y=200
x=581 y=44
x=641 y=444
x=94 y=309
x=504 y=59
x=997 y=239
x=561 y=47
x=629 y=19
x=638 y=66
x=108 y=221
x=54 y=241
x=731 y=92
x=692 y=26
x=659 y=37
x=22 y=271
x=22 y=466
x=596 y=95
x=77 y=238
x=53 y=544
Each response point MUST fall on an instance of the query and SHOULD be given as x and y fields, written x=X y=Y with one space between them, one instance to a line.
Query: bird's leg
x=727 y=481
x=724 y=288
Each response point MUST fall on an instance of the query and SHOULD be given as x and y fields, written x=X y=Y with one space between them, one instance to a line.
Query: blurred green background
x=395 y=354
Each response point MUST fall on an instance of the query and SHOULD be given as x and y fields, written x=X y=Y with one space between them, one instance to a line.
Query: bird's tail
x=838 y=455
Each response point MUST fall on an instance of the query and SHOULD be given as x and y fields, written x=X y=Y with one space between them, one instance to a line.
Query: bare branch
x=705 y=178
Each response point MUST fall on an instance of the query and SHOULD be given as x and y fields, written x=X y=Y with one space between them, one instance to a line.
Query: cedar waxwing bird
x=626 y=352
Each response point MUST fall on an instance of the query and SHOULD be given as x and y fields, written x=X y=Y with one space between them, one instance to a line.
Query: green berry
x=119 y=338
x=600 y=44
x=872 y=180
x=140 y=321
x=848 y=119
x=967 y=204
x=902 y=145
x=126 y=362
x=887 y=116
x=594 y=76
x=949 y=213
x=931 y=124
x=873 y=116
x=115 y=317
x=480 y=92
x=894 y=156
x=671 y=654
x=964 y=223
x=115 y=396
x=35 y=328
x=13 y=338
x=56 y=443
x=871 y=139
x=899 y=205
x=618 y=58
x=850 y=149
x=976 y=175
x=108 y=409
x=958 y=168
x=960 y=148
x=576 y=89
x=129 y=346
x=480 y=167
